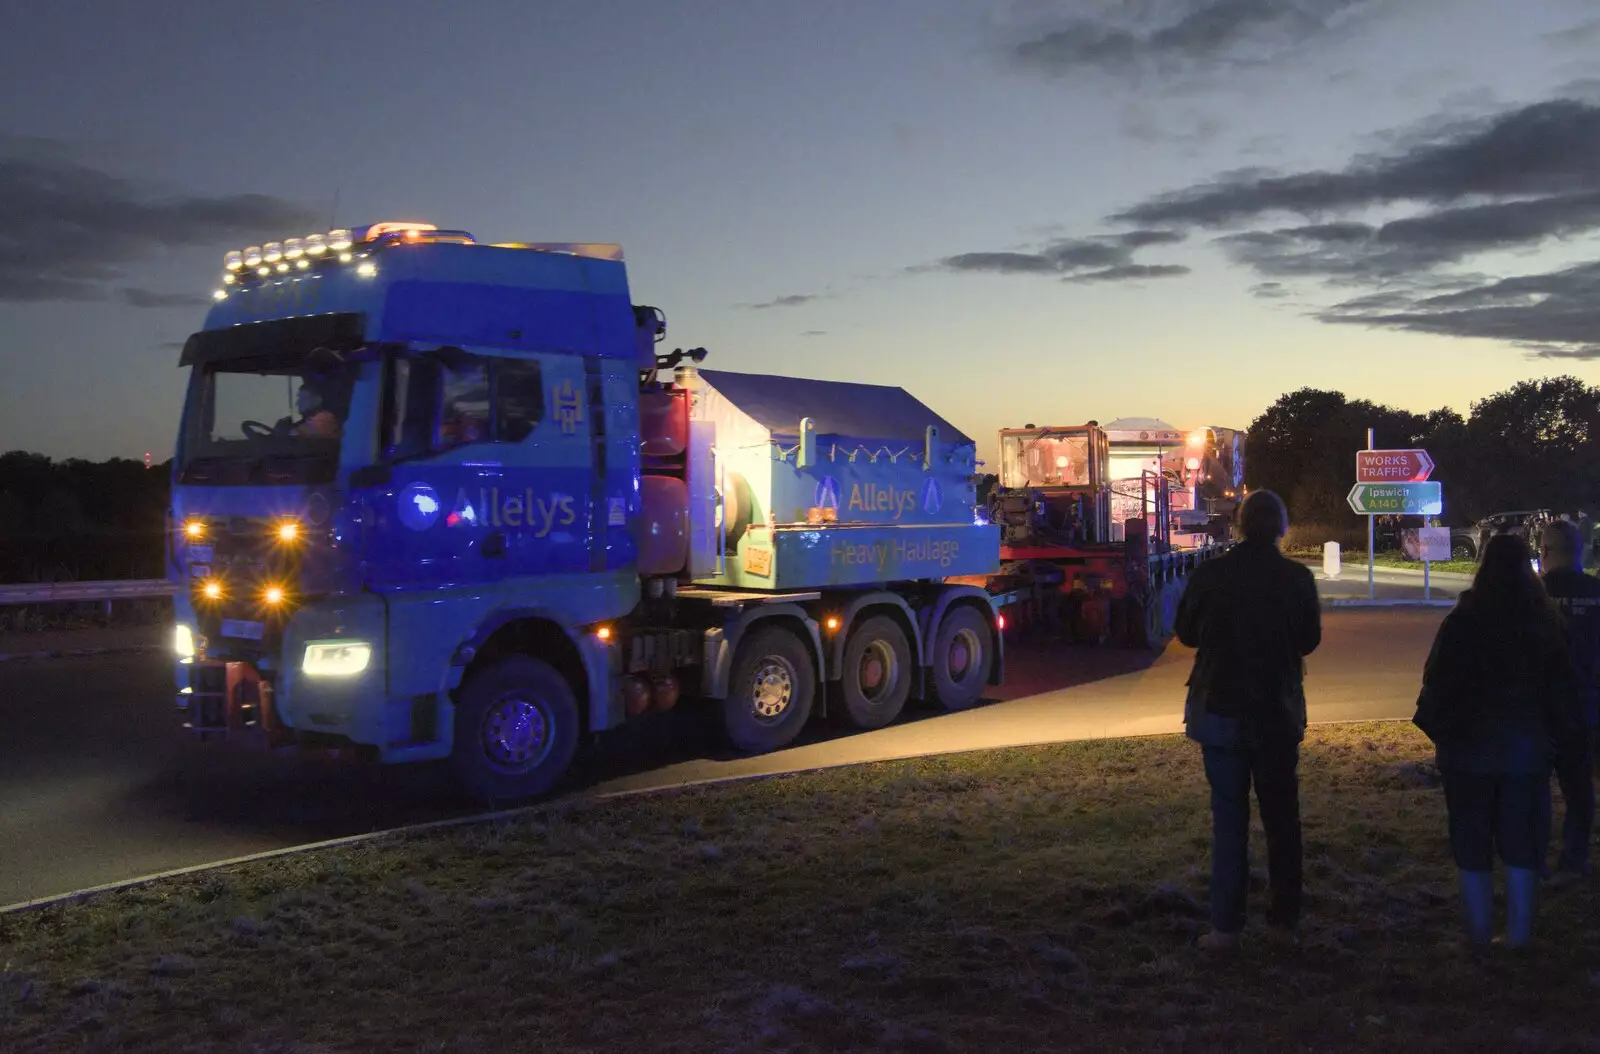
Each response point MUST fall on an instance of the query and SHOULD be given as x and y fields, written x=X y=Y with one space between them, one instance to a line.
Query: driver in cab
x=317 y=420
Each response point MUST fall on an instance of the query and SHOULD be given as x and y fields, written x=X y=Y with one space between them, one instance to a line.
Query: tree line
x=77 y=519
x=1534 y=446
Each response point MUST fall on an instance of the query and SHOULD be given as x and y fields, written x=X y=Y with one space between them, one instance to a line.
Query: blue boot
x=1522 y=890
x=1477 y=906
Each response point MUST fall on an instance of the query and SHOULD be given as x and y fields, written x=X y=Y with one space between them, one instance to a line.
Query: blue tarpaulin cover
x=839 y=408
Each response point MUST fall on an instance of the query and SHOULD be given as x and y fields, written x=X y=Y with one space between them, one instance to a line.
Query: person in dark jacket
x=1497 y=690
x=1253 y=616
x=1577 y=595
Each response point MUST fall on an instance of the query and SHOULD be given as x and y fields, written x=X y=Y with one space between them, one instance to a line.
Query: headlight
x=336 y=659
x=183 y=641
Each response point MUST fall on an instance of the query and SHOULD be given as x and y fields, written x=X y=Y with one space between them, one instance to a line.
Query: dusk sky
x=1031 y=211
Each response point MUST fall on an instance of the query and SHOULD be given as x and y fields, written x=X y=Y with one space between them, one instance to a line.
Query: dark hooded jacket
x=1577 y=595
x=1497 y=687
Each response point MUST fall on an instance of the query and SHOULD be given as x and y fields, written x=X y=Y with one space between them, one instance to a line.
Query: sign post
x=1372 y=556
x=1395 y=483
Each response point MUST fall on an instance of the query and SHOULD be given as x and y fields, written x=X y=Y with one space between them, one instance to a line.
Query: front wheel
x=1465 y=552
x=771 y=692
x=962 y=658
x=516 y=731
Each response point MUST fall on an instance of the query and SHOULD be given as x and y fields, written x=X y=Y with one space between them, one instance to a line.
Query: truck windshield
x=255 y=421
x=1048 y=459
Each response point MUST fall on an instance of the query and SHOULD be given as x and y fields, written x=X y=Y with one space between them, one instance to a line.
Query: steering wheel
x=255 y=430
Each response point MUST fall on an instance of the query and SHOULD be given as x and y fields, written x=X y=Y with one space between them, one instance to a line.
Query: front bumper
x=234 y=691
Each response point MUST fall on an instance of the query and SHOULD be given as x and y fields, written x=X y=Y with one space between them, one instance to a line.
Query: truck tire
x=516 y=731
x=771 y=691
x=962 y=658
x=875 y=679
x=1146 y=622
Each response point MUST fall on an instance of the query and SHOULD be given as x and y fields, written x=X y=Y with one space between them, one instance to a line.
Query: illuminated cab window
x=436 y=405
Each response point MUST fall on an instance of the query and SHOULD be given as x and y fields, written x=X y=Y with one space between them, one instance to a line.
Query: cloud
x=145 y=298
x=1546 y=148
x=1583 y=352
x=1194 y=35
x=1395 y=229
x=1582 y=35
x=1557 y=313
x=72 y=228
x=1130 y=272
x=792 y=300
x=1065 y=256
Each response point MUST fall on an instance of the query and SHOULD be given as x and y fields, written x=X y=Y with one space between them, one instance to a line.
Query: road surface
x=98 y=785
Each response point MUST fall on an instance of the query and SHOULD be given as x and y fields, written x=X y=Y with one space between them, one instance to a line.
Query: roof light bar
x=341 y=244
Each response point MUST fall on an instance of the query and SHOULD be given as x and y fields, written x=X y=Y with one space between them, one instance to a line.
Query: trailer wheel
x=771 y=691
x=516 y=730
x=1146 y=620
x=876 y=676
x=962 y=658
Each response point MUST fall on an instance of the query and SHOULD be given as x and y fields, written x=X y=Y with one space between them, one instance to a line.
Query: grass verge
x=1031 y=899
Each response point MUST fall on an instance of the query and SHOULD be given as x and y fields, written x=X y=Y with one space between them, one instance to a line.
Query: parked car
x=1467 y=542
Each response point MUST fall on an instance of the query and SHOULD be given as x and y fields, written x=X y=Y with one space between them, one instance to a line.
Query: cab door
x=486 y=475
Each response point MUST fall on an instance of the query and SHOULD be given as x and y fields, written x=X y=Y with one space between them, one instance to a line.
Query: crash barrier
x=25 y=593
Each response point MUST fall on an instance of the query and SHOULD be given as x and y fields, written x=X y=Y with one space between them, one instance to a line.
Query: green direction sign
x=1397 y=499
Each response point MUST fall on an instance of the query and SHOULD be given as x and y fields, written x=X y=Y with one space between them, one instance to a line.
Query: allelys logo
x=871 y=497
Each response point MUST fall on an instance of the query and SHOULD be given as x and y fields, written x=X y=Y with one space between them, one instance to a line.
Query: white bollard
x=1330 y=560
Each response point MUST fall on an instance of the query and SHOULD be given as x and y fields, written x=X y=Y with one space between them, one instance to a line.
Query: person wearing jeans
x=1498 y=689
x=1273 y=770
x=1253 y=616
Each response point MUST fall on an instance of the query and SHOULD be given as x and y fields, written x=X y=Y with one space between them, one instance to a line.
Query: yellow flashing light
x=411 y=230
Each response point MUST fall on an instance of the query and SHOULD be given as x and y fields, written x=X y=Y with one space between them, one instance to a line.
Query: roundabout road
x=98 y=787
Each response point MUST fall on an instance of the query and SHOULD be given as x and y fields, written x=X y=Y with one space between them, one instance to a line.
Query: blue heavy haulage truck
x=435 y=498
